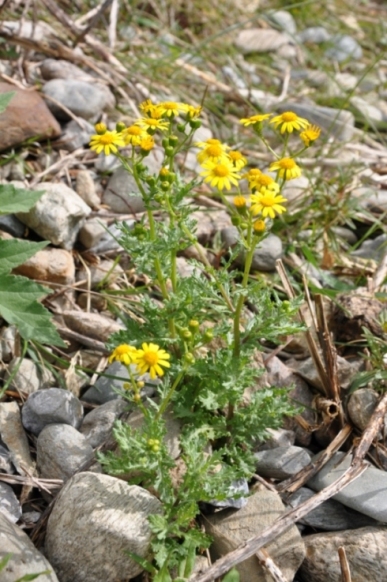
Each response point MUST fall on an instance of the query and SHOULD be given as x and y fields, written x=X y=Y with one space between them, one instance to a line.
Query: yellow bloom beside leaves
x=151 y=358
x=310 y=134
x=238 y=159
x=123 y=353
x=289 y=121
x=255 y=119
x=268 y=201
x=286 y=168
x=107 y=142
x=221 y=175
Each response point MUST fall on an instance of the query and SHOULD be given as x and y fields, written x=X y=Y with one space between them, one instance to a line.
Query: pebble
x=12 y=225
x=109 y=519
x=106 y=389
x=84 y=99
x=9 y=503
x=49 y=266
x=13 y=436
x=265 y=255
x=230 y=529
x=209 y=222
x=366 y=494
x=373 y=249
x=314 y=34
x=281 y=462
x=58 y=215
x=330 y=515
x=25 y=117
x=61 y=69
x=75 y=134
x=85 y=188
x=239 y=488
x=365 y=548
x=260 y=40
x=344 y=47
x=27 y=379
x=307 y=370
x=92 y=325
x=51 y=406
x=336 y=123
x=28 y=29
x=6 y=460
x=8 y=337
x=361 y=406
x=284 y=20
x=97 y=425
x=109 y=240
x=61 y=451
x=370 y=114
x=92 y=232
x=25 y=558
x=278 y=438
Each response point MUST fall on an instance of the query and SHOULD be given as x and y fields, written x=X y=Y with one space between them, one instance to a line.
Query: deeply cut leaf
x=14 y=199
x=19 y=306
x=15 y=252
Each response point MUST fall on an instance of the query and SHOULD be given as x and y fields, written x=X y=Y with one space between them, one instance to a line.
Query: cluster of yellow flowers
x=150 y=359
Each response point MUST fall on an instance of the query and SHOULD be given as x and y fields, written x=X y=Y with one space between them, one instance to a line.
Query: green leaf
x=232 y=576
x=14 y=199
x=27 y=577
x=5 y=98
x=16 y=252
x=19 y=305
x=4 y=561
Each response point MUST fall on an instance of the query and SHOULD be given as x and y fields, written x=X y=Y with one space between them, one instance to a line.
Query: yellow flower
x=214 y=153
x=147 y=143
x=286 y=168
x=133 y=135
x=123 y=353
x=151 y=358
x=221 y=175
x=147 y=107
x=100 y=128
x=239 y=201
x=252 y=175
x=238 y=160
x=171 y=108
x=152 y=123
x=255 y=119
x=192 y=111
x=209 y=141
x=268 y=202
x=260 y=180
x=310 y=134
x=289 y=121
x=259 y=226
x=107 y=142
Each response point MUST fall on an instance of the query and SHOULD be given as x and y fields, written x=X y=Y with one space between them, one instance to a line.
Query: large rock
x=26 y=116
x=25 y=557
x=84 y=99
x=230 y=528
x=95 y=522
x=366 y=550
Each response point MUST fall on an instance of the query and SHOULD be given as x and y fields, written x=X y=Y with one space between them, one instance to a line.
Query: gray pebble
x=12 y=225
x=281 y=462
x=84 y=99
x=9 y=504
x=372 y=249
x=98 y=424
x=344 y=47
x=314 y=34
x=265 y=255
x=51 y=406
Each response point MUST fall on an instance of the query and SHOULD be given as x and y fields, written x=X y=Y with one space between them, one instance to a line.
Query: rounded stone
x=51 y=406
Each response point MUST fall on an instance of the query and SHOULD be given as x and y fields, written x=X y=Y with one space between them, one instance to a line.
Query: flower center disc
x=289 y=116
x=221 y=171
x=151 y=358
x=287 y=164
x=214 y=150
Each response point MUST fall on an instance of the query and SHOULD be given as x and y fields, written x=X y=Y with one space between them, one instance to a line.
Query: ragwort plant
x=196 y=338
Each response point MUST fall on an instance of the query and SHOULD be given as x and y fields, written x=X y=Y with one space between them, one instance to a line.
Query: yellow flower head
x=152 y=123
x=171 y=108
x=208 y=142
x=260 y=180
x=289 y=121
x=147 y=143
x=123 y=353
x=213 y=152
x=133 y=135
x=268 y=202
x=251 y=176
x=259 y=226
x=108 y=142
x=193 y=112
x=238 y=160
x=310 y=134
x=151 y=358
x=239 y=201
x=254 y=119
x=100 y=128
x=286 y=168
x=220 y=175
x=147 y=107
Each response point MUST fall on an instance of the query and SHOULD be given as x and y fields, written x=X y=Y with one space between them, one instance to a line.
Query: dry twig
x=345 y=571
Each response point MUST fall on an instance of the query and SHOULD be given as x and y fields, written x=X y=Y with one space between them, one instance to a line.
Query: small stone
x=233 y=78
x=314 y=34
x=9 y=504
x=345 y=233
x=97 y=425
x=13 y=436
x=92 y=232
x=84 y=99
x=366 y=494
x=25 y=558
x=297 y=190
x=282 y=462
x=61 y=69
x=278 y=438
x=108 y=520
x=51 y=406
x=336 y=123
x=208 y=223
x=344 y=47
x=37 y=30
x=284 y=20
x=12 y=225
x=58 y=215
x=106 y=389
x=371 y=114
x=372 y=249
x=49 y=266
x=307 y=370
x=239 y=488
x=361 y=406
x=75 y=134
x=266 y=252
x=27 y=378
x=330 y=515
x=260 y=40
x=230 y=529
x=85 y=188
x=91 y=325
x=61 y=451
x=8 y=337
x=26 y=116
x=110 y=239
x=6 y=465
x=365 y=548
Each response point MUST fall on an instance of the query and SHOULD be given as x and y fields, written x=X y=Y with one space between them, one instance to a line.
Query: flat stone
x=61 y=451
x=366 y=494
x=336 y=123
x=97 y=425
x=85 y=188
x=26 y=559
x=51 y=406
x=14 y=437
x=9 y=503
x=27 y=379
x=29 y=29
x=284 y=20
x=12 y=225
x=75 y=134
x=108 y=519
x=278 y=438
x=230 y=528
x=92 y=325
x=361 y=406
x=26 y=116
x=8 y=338
x=92 y=232
x=260 y=40
x=314 y=34
x=330 y=515
x=240 y=490
x=106 y=389
x=58 y=215
x=308 y=371
x=344 y=47
x=49 y=266
x=281 y=462
x=365 y=548
x=84 y=99
x=61 y=69
x=266 y=252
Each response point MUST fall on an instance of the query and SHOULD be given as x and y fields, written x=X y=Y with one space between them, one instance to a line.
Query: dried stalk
x=268 y=564
x=345 y=571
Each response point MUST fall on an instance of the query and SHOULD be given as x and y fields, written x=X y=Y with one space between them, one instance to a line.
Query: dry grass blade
x=345 y=571
x=270 y=566
x=291 y=517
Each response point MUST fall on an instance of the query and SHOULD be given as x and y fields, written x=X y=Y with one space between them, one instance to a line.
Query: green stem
x=241 y=300
x=15 y=370
x=169 y=395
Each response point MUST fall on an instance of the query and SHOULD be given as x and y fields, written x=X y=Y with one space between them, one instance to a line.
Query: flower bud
x=193 y=325
x=189 y=359
x=208 y=336
x=169 y=151
x=195 y=123
x=165 y=186
x=165 y=142
x=120 y=126
x=100 y=128
x=173 y=140
x=181 y=127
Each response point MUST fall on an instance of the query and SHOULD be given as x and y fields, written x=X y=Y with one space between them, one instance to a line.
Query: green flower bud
x=181 y=127
x=120 y=126
x=235 y=220
x=193 y=325
x=173 y=140
x=189 y=359
x=195 y=123
x=165 y=142
x=169 y=151
x=208 y=336
x=165 y=186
